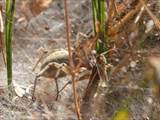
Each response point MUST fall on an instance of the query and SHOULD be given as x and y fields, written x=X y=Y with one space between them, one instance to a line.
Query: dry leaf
x=31 y=8
x=37 y=6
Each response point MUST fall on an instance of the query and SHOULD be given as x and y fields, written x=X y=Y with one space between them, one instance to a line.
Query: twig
x=70 y=60
x=116 y=28
x=154 y=18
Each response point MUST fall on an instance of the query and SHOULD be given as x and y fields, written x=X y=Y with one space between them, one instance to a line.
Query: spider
x=84 y=57
x=55 y=64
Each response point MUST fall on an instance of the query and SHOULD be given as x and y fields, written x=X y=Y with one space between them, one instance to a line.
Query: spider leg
x=34 y=88
x=84 y=76
x=40 y=58
x=37 y=76
x=79 y=35
x=56 y=80
x=60 y=67
x=35 y=81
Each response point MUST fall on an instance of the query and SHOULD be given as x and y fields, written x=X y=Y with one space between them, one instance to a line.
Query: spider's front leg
x=52 y=70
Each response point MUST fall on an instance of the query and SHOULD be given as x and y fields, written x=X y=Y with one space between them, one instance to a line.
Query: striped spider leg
x=61 y=70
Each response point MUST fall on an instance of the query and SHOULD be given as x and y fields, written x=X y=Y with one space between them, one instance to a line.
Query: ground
x=45 y=30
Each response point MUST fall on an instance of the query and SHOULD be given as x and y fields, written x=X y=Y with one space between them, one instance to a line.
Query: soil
x=45 y=30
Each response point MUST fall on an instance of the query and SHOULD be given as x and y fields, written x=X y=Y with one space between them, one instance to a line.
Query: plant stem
x=99 y=15
x=10 y=7
x=70 y=61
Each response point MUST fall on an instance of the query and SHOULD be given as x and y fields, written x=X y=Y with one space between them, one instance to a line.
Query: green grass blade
x=10 y=7
x=99 y=14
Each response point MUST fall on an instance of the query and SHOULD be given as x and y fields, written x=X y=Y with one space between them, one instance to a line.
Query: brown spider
x=56 y=63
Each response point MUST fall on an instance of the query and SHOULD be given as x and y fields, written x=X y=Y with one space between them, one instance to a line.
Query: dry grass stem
x=70 y=60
